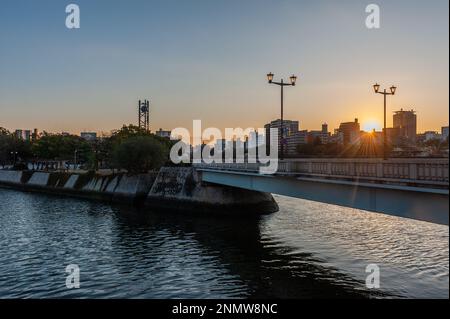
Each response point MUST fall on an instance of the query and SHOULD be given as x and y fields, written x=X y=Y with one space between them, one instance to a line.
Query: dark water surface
x=306 y=250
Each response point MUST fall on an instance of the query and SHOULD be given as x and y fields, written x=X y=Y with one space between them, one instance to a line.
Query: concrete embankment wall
x=14 y=177
x=118 y=187
x=183 y=188
x=176 y=188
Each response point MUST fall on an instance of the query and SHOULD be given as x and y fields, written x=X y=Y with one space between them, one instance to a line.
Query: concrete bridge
x=410 y=188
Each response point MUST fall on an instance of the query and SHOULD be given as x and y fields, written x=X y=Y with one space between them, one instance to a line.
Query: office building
x=444 y=132
x=406 y=122
x=336 y=138
x=431 y=135
x=295 y=139
x=350 y=132
x=163 y=133
x=322 y=135
x=289 y=127
x=23 y=134
x=394 y=135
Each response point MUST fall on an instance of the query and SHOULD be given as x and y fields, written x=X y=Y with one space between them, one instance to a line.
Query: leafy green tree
x=129 y=131
x=62 y=147
x=5 y=146
x=105 y=151
x=10 y=144
x=139 y=154
x=4 y=131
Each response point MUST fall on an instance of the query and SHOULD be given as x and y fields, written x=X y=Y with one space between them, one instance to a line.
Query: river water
x=306 y=250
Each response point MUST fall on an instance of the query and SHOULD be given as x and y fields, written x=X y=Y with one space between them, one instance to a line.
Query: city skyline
x=208 y=61
x=367 y=127
x=254 y=152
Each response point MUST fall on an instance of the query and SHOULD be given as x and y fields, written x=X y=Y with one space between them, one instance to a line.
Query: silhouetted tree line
x=130 y=148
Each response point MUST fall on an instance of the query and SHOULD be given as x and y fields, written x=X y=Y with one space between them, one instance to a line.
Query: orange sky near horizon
x=210 y=63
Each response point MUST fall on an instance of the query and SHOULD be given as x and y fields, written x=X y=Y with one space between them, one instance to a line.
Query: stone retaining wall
x=182 y=189
x=177 y=188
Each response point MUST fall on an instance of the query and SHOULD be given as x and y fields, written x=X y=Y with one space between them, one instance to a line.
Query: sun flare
x=370 y=125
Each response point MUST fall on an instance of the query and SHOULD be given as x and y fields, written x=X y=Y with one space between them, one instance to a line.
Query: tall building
x=295 y=139
x=406 y=121
x=289 y=128
x=35 y=134
x=444 y=132
x=322 y=135
x=337 y=137
x=394 y=135
x=351 y=132
x=23 y=134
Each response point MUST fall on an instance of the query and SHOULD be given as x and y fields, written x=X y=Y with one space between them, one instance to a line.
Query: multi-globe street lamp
x=282 y=84
x=385 y=93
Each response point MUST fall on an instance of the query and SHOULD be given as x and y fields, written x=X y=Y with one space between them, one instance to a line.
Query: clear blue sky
x=199 y=59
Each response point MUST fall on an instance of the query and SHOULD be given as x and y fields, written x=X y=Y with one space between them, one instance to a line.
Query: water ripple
x=306 y=250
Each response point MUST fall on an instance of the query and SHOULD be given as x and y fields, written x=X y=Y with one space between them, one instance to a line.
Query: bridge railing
x=411 y=170
x=245 y=167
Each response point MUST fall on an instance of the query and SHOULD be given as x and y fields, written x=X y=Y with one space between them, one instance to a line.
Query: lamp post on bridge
x=385 y=93
x=293 y=80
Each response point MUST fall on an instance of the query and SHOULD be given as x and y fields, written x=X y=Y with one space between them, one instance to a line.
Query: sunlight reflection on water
x=305 y=250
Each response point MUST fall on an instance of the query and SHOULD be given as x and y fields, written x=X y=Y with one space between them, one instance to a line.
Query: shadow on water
x=268 y=269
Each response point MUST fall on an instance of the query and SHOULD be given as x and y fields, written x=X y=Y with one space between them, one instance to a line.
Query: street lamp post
x=96 y=157
x=293 y=80
x=14 y=154
x=392 y=89
x=75 y=159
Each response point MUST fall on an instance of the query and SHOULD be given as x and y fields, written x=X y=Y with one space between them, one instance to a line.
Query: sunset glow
x=210 y=63
x=217 y=159
x=370 y=125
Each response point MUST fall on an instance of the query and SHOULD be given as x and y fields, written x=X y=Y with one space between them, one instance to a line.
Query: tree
x=139 y=154
x=4 y=131
x=5 y=146
x=129 y=131
x=106 y=149
x=10 y=144
x=62 y=147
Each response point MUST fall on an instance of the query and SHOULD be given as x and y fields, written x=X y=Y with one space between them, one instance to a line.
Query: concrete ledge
x=173 y=188
x=183 y=188
x=39 y=179
x=10 y=176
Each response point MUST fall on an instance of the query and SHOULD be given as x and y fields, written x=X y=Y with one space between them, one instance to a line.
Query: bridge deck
x=415 y=189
